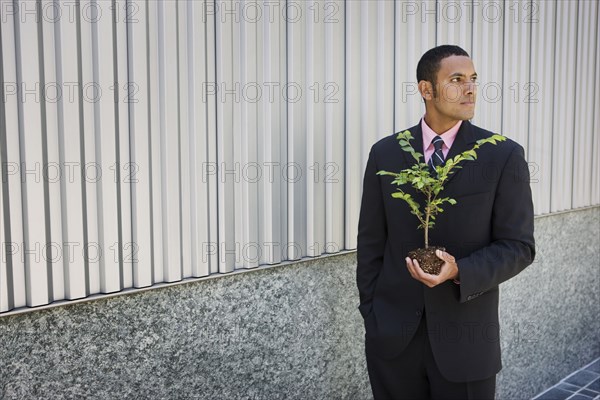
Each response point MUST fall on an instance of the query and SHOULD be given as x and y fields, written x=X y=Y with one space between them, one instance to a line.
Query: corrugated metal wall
x=153 y=141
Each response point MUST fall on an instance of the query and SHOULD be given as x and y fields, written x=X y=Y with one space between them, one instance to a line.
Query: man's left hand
x=449 y=270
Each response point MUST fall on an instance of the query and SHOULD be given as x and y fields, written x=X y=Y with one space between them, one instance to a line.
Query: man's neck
x=439 y=127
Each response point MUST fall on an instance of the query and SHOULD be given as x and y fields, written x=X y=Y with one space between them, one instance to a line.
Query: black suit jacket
x=489 y=231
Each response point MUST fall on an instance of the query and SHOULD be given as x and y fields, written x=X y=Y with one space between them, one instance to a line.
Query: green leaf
x=419 y=177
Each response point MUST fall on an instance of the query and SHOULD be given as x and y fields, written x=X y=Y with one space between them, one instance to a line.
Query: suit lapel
x=409 y=161
x=417 y=133
x=416 y=142
x=465 y=139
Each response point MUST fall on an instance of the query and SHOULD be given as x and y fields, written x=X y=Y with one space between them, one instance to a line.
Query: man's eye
x=474 y=79
x=455 y=80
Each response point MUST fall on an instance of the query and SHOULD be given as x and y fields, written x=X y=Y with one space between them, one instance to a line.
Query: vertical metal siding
x=595 y=167
x=414 y=34
x=125 y=246
x=249 y=229
x=584 y=104
x=454 y=23
x=487 y=53
x=11 y=178
x=105 y=135
x=564 y=105
x=156 y=205
x=335 y=95
x=354 y=116
x=210 y=98
x=201 y=226
x=33 y=158
x=297 y=133
x=516 y=80
x=316 y=143
x=541 y=106
x=225 y=61
x=5 y=284
x=54 y=254
x=384 y=57
x=139 y=171
x=92 y=171
x=271 y=143
x=148 y=142
x=183 y=83
x=168 y=46
x=4 y=281
x=370 y=98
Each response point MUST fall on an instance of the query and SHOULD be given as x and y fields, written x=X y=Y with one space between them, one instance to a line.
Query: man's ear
x=426 y=90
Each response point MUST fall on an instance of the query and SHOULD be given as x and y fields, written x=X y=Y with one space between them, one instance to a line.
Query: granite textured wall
x=551 y=311
x=290 y=332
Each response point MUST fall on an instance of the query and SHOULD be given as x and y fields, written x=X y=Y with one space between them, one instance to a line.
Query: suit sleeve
x=372 y=236
x=513 y=246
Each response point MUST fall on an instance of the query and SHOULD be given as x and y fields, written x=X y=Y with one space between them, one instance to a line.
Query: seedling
x=419 y=176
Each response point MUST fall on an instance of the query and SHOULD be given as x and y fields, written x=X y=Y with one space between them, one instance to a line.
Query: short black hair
x=429 y=64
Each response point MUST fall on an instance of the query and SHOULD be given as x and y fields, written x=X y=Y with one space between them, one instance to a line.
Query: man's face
x=455 y=90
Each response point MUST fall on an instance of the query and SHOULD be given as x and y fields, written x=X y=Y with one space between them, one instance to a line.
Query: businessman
x=437 y=336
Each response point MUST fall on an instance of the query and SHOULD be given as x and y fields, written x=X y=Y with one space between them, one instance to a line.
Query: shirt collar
x=429 y=134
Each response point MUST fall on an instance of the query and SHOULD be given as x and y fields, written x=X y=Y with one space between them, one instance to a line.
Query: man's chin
x=467 y=116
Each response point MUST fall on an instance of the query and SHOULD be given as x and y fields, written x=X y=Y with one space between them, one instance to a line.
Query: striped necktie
x=437 y=158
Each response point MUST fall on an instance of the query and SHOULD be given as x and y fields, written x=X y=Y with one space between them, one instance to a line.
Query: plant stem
x=427 y=214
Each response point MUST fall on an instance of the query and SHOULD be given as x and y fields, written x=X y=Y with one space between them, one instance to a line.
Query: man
x=437 y=336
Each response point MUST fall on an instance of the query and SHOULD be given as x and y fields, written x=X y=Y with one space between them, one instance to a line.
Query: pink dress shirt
x=428 y=135
x=448 y=138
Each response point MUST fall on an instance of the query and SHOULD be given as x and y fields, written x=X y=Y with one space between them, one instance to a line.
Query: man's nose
x=470 y=87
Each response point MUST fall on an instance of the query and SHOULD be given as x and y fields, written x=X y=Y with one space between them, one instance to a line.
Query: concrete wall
x=550 y=312
x=290 y=332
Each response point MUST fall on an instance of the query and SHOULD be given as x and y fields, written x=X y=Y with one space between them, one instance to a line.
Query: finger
x=415 y=270
x=417 y=273
x=444 y=272
x=410 y=267
x=444 y=256
x=416 y=265
x=430 y=279
x=422 y=276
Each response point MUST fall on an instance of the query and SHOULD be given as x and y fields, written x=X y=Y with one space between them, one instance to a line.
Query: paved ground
x=583 y=384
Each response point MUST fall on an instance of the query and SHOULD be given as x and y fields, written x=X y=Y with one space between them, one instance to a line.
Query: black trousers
x=415 y=375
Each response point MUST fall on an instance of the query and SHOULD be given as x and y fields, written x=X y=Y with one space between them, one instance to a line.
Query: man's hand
x=449 y=270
